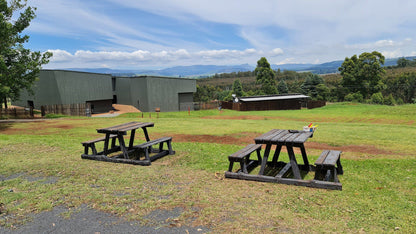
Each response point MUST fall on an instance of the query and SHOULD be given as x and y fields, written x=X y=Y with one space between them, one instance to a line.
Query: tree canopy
x=19 y=67
x=363 y=74
x=265 y=76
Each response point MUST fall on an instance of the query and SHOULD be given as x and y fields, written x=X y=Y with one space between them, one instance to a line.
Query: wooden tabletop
x=123 y=128
x=280 y=136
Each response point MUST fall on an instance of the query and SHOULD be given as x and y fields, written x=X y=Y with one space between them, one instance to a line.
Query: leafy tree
x=238 y=88
x=309 y=87
x=265 y=76
x=363 y=74
x=402 y=62
x=282 y=87
x=19 y=67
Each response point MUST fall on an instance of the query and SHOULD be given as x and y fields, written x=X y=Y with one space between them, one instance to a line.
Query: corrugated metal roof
x=270 y=98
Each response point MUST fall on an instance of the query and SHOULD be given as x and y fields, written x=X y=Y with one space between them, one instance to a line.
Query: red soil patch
x=247 y=138
x=242 y=139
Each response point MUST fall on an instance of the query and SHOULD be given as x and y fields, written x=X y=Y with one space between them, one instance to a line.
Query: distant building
x=102 y=90
x=270 y=102
x=147 y=93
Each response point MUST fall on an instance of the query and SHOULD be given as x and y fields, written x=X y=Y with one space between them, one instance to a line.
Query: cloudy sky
x=164 y=33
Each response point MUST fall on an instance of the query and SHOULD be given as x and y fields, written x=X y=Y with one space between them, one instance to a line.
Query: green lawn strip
x=378 y=192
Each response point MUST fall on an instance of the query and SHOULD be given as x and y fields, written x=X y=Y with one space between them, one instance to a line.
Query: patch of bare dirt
x=121 y=109
x=247 y=138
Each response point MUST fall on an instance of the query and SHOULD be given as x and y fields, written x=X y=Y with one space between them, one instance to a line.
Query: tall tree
x=19 y=67
x=363 y=74
x=238 y=88
x=265 y=76
x=282 y=87
x=310 y=86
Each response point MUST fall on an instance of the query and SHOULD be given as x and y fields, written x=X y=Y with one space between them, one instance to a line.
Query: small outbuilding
x=269 y=102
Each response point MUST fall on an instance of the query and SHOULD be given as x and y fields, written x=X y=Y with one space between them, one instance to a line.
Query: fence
x=206 y=105
x=16 y=113
x=315 y=104
x=80 y=109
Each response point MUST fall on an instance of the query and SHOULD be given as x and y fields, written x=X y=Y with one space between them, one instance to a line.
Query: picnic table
x=290 y=139
x=126 y=152
x=327 y=167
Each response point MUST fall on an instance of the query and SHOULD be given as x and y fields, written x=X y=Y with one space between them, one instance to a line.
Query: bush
x=377 y=98
x=354 y=97
x=390 y=100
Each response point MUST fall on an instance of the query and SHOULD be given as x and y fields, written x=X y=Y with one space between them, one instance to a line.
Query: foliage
x=315 y=87
x=400 y=82
x=238 y=88
x=389 y=100
x=402 y=86
x=265 y=76
x=377 y=98
x=282 y=87
x=354 y=97
x=403 y=62
x=19 y=67
x=363 y=74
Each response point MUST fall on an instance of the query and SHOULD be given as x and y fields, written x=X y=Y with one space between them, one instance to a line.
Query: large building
x=102 y=90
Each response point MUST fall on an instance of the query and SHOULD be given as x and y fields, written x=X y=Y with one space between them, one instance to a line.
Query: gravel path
x=87 y=220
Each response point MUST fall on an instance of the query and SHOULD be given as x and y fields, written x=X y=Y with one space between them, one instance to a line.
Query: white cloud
x=297 y=31
x=140 y=58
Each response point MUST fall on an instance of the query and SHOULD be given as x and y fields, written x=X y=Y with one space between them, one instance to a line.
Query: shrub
x=354 y=97
x=377 y=98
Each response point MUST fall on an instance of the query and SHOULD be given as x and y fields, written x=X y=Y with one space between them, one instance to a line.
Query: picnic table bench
x=325 y=166
x=128 y=153
x=243 y=157
x=291 y=172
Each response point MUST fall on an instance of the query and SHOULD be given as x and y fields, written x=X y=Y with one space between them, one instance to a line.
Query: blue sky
x=141 y=34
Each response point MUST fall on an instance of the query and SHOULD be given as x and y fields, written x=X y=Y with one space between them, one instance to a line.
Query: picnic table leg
x=259 y=156
x=277 y=153
x=265 y=158
x=293 y=163
x=146 y=135
x=122 y=145
x=133 y=132
x=106 y=141
x=305 y=157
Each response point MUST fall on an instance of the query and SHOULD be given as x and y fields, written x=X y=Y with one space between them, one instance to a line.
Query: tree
x=363 y=74
x=238 y=88
x=265 y=76
x=282 y=87
x=19 y=67
x=310 y=87
x=402 y=62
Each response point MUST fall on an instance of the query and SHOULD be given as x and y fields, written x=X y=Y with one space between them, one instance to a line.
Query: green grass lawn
x=379 y=189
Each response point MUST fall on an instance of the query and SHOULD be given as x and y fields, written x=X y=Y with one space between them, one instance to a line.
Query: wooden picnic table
x=121 y=130
x=327 y=167
x=127 y=151
x=290 y=139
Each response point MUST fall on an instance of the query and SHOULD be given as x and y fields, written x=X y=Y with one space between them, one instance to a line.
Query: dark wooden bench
x=328 y=166
x=243 y=157
x=91 y=144
x=147 y=147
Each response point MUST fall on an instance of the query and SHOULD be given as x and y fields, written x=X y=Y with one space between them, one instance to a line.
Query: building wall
x=68 y=87
x=150 y=92
x=164 y=92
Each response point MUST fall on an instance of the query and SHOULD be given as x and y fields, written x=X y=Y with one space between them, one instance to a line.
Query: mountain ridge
x=202 y=71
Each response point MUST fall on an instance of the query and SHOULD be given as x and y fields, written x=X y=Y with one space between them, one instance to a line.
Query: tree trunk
x=5 y=102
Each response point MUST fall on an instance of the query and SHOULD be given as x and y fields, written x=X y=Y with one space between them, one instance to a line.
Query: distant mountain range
x=201 y=71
